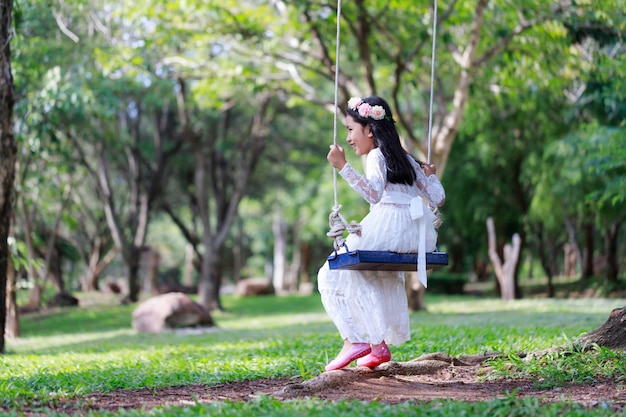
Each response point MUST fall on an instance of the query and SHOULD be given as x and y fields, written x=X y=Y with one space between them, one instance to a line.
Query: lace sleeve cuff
x=369 y=189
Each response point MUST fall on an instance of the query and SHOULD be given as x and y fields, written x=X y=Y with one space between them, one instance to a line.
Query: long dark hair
x=387 y=139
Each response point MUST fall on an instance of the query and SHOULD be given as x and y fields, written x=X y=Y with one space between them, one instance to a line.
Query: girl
x=369 y=308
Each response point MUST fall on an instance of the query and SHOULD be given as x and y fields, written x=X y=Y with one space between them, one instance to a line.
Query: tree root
x=425 y=364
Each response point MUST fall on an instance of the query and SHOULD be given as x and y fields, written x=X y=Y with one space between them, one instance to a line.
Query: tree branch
x=523 y=26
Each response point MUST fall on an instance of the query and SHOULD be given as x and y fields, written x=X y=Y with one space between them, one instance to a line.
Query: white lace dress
x=371 y=306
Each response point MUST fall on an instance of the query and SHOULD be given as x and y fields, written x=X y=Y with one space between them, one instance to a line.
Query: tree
x=579 y=182
x=221 y=106
x=117 y=128
x=606 y=163
x=219 y=182
x=385 y=51
x=8 y=152
x=147 y=154
x=300 y=198
x=603 y=104
x=52 y=101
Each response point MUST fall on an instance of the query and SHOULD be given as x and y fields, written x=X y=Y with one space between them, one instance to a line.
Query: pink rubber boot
x=380 y=354
x=357 y=350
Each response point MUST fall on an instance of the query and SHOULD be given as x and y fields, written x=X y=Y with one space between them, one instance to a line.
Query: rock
x=63 y=299
x=113 y=286
x=254 y=286
x=169 y=311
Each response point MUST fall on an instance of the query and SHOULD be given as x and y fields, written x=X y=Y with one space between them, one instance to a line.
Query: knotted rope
x=338 y=226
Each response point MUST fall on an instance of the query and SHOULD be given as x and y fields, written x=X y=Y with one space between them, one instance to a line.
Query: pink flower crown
x=365 y=109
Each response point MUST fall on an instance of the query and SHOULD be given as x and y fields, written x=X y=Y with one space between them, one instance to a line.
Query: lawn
x=71 y=353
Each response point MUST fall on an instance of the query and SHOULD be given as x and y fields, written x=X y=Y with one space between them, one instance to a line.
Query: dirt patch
x=387 y=385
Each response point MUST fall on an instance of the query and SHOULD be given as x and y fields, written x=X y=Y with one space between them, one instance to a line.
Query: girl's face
x=359 y=137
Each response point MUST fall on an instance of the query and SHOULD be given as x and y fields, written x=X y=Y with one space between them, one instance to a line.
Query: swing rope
x=432 y=80
x=336 y=221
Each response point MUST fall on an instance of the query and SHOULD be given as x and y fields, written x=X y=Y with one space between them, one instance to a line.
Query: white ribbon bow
x=417 y=213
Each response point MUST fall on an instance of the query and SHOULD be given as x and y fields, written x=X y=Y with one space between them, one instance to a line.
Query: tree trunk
x=208 y=281
x=151 y=260
x=543 y=259
x=305 y=286
x=571 y=235
x=552 y=265
x=305 y=260
x=280 y=254
x=206 y=285
x=95 y=265
x=456 y=254
x=238 y=251
x=189 y=265
x=216 y=278
x=131 y=266
x=415 y=291
x=56 y=271
x=504 y=269
x=51 y=266
x=12 y=328
x=8 y=152
x=587 y=271
x=611 y=334
x=295 y=267
x=611 y=251
x=569 y=260
x=129 y=248
x=34 y=294
x=90 y=282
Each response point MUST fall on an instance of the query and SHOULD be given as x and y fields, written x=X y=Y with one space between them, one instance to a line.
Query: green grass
x=74 y=352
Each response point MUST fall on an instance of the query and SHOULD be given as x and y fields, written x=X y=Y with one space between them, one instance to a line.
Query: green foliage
x=446 y=282
x=598 y=34
x=497 y=153
x=582 y=176
x=563 y=183
x=563 y=367
x=607 y=162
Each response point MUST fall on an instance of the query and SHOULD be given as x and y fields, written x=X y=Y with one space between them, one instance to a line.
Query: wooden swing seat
x=384 y=261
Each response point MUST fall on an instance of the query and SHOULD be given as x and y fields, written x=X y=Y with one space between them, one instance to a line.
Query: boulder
x=254 y=286
x=63 y=299
x=169 y=311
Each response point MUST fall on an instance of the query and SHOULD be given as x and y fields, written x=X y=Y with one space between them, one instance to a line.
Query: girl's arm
x=370 y=187
x=428 y=184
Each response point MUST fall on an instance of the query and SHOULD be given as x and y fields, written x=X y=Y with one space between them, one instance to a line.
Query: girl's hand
x=429 y=169
x=336 y=156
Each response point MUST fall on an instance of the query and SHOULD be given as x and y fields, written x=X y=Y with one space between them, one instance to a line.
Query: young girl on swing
x=370 y=308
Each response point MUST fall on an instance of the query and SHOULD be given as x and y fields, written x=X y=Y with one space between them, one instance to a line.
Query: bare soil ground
x=391 y=383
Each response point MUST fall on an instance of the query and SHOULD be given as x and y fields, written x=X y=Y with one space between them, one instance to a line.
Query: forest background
x=195 y=132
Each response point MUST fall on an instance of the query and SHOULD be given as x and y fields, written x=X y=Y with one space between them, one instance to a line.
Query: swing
x=376 y=260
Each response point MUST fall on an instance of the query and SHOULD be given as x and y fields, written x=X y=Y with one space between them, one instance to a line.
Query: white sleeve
x=370 y=187
x=429 y=187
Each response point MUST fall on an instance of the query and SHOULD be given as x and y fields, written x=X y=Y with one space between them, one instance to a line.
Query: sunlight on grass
x=271 y=322
x=493 y=305
x=40 y=343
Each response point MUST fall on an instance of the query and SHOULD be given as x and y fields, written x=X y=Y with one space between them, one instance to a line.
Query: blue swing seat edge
x=384 y=260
